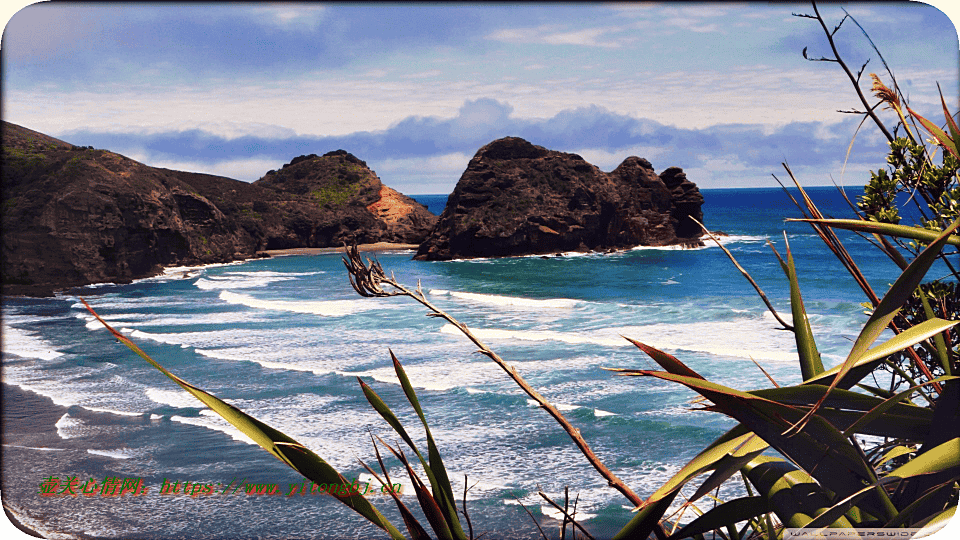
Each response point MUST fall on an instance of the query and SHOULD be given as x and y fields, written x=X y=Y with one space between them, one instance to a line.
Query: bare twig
x=542 y=535
x=566 y=516
x=369 y=281
x=465 y=515
x=765 y=373
x=853 y=79
x=763 y=296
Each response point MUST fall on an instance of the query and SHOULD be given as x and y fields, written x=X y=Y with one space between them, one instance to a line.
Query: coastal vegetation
x=872 y=442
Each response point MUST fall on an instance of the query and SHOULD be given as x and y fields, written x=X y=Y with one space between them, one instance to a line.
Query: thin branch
x=853 y=80
x=369 y=281
x=765 y=373
x=544 y=536
x=763 y=296
x=467 y=516
x=566 y=516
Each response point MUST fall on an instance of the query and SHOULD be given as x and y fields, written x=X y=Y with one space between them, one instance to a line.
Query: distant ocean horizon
x=285 y=339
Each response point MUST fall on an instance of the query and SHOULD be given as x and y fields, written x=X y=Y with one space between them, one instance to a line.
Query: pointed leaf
x=284 y=448
x=896 y=452
x=643 y=524
x=792 y=493
x=427 y=503
x=891 y=403
x=889 y=229
x=954 y=130
x=439 y=481
x=668 y=362
x=820 y=448
x=937 y=133
x=708 y=460
x=810 y=363
x=416 y=530
x=730 y=512
x=897 y=296
x=938 y=340
x=940 y=458
x=730 y=465
x=872 y=357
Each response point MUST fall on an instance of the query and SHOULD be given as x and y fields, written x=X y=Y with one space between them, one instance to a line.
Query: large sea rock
x=78 y=215
x=516 y=198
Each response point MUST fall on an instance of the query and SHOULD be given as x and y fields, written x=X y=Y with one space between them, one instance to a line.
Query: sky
x=720 y=89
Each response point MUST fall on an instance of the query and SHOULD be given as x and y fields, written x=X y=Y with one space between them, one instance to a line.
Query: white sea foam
x=189 y=319
x=708 y=243
x=69 y=427
x=41 y=448
x=745 y=337
x=326 y=308
x=247 y=280
x=211 y=420
x=169 y=339
x=119 y=453
x=511 y=301
x=539 y=335
x=174 y=398
x=553 y=513
x=258 y=355
x=26 y=344
x=111 y=411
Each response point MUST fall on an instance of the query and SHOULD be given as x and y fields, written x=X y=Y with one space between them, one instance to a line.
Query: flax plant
x=795 y=449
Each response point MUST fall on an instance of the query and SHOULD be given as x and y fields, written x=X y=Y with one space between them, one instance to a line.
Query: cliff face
x=336 y=198
x=516 y=198
x=74 y=216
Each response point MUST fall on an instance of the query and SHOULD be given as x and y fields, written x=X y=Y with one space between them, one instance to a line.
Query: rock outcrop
x=516 y=198
x=77 y=215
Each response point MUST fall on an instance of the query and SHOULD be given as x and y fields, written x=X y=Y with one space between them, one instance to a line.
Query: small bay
x=285 y=339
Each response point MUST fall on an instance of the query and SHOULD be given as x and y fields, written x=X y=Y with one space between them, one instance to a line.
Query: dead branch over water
x=368 y=280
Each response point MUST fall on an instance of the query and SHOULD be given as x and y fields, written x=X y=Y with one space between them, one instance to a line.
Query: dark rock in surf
x=516 y=198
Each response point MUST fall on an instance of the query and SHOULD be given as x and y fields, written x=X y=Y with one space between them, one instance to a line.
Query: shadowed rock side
x=516 y=198
x=74 y=215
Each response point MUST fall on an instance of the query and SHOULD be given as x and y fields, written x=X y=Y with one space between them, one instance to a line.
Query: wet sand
x=29 y=419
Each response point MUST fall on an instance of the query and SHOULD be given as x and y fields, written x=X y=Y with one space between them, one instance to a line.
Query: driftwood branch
x=368 y=280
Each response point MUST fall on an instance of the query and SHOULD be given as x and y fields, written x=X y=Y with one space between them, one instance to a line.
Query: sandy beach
x=377 y=247
x=29 y=421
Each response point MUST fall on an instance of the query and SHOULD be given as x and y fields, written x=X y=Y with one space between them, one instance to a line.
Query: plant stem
x=368 y=281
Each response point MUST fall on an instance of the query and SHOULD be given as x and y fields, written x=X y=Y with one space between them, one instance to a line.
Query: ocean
x=286 y=338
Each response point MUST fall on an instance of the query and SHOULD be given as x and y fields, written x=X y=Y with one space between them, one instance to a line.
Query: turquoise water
x=285 y=339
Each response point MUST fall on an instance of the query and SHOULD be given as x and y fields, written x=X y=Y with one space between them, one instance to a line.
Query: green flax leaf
x=730 y=512
x=889 y=229
x=810 y=363
x=897 y=296
x=439 y=480
x=820 y=448
x=284 y=448
x=945 y=140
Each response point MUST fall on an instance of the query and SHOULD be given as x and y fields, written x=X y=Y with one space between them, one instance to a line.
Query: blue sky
x=238 y=89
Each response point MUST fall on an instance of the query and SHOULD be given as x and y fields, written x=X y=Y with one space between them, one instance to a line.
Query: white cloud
x=291 y=16
x=428 y=175
x=246 y=169
x=553 y=35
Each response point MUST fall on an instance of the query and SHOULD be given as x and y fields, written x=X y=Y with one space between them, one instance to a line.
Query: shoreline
x=375 y=247
x=50 y=291
x=29 y=418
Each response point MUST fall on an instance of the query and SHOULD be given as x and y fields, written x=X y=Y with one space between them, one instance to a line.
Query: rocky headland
x=516 y=198
x=74 y=215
